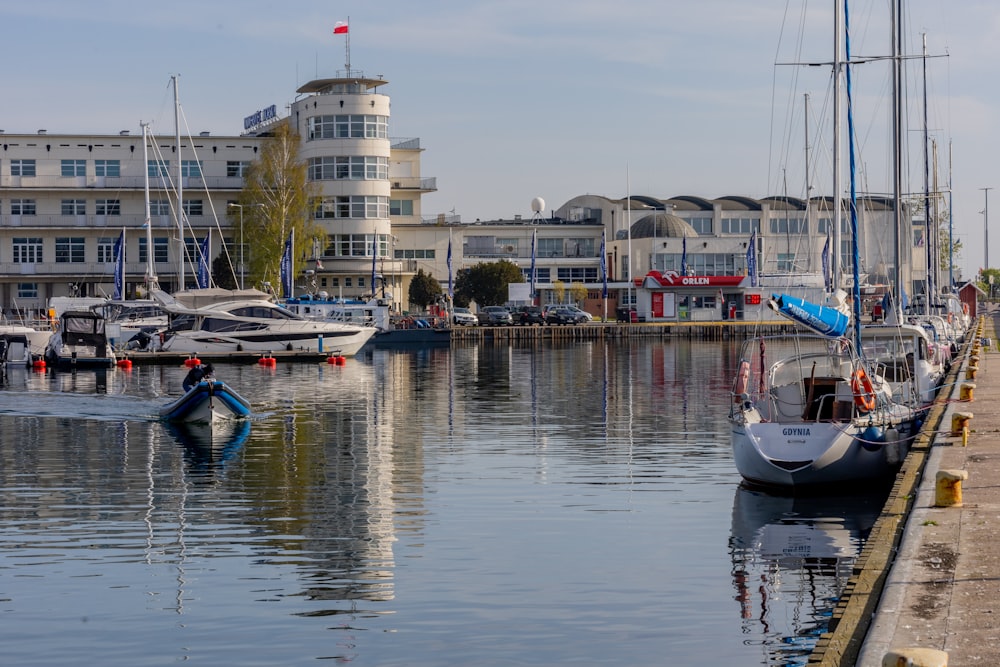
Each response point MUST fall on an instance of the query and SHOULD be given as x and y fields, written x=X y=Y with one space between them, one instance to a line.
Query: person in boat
x=197 y=374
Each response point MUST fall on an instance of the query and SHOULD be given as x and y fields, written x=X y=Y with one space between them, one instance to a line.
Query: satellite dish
x=537 y=204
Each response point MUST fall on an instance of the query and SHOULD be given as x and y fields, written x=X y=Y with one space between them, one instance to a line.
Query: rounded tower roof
x=661 y=225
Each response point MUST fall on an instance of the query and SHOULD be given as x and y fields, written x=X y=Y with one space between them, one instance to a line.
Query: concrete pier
x=928 y=580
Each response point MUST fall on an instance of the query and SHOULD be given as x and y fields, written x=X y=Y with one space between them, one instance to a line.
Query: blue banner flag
x=451 y=290
x=203 y=272
x=684 y=256
x=604 y=267
x=827 y=278
x=752 y=259
x=534 y=235
x=286 y=267
x=374 y=259
x=119 y=252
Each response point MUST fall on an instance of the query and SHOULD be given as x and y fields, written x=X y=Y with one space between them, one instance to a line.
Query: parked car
x=463 y=317
x=529 y=315
x=563 y=315
x=580 y=311
x=495 y=316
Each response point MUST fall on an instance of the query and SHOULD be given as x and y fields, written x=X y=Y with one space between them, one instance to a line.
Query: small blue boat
x=207 y=402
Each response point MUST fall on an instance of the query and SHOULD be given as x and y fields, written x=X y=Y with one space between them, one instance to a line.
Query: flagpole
x=628 y=225
x=348 y=47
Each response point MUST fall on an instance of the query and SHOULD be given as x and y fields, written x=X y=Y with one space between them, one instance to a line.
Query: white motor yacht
x=220 y=320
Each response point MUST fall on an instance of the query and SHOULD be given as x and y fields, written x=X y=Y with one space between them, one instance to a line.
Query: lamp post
x=240 y=206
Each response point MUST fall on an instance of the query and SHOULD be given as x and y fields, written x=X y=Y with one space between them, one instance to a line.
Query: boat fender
x=864 y=392
x=872 y=438
x=742 y=381
x=893 y=447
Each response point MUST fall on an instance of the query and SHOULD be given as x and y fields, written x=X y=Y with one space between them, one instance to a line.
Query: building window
x=357 y=126
x=788 y=226
x=27 y=250
x=69 y=249
x=27 y=290
x=193 y=207
x=158 y=168
x=107 y=168
x=701 y=225
x=109 y=207
x=22 y=207
x=400 y=207
x=74 y=167
x=357 y=206
x=106 y=249
x=160 y=246
x=74 y=207
x=159 y=207
x=578 y=274
x=22 y=167
x=334 y=282
x=236 y=169
x=744 y=226
x=355 y=245
x=550 y=248
x=786 y=262
x=349 y=168
x=347 y=281
x=704 y=302
x=414 y=253
x=191 y=168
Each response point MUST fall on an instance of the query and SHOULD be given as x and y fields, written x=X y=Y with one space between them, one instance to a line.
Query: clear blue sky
x=555 y=98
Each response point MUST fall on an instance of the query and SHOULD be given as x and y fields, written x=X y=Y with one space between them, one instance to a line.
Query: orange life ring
x=864 y=392
x=742 y=380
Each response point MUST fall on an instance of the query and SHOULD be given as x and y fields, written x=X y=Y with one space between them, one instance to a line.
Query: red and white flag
x=340 y=28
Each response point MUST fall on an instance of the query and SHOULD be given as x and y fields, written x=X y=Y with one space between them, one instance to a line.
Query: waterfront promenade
x=928 y=584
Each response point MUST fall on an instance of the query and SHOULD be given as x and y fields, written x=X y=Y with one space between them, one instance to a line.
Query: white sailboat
x=811 y=410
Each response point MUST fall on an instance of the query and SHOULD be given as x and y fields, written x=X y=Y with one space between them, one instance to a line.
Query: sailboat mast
x=928 y=245
x=836 y=200
x=899 y=276
x=150 y=267
x=180 y=189
x=855 y=254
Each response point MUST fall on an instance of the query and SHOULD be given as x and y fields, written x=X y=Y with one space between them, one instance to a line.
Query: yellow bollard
x=970 y=372
x=915 y=657
x=959 y=420
x=948 y=488
x=965 y=436
x=966 y=391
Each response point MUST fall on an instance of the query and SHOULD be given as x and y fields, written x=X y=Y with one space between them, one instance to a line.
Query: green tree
x=578 y=292
x=424 y=289
x=486 y=283
x=222 y=273
x=277 y=197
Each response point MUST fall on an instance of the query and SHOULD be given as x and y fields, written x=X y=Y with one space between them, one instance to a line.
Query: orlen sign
x=655 y=279
x=260 y=117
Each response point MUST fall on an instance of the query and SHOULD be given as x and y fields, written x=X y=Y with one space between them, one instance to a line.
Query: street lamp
x=240 y=206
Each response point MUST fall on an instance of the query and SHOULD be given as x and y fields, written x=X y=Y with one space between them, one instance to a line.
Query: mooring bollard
x=959 y=421
x=967 y=391
x=915 y=657
x=948 y=488
x=970 y=372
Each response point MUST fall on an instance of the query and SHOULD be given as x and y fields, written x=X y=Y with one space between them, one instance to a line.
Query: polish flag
x=340 y=28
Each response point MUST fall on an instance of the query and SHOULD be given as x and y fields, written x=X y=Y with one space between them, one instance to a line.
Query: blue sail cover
x=823 y=320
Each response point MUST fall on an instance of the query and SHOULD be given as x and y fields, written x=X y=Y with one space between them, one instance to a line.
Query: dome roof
x=661 y=225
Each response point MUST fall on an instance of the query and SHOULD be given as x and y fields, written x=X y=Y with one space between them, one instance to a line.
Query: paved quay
x=926 y=590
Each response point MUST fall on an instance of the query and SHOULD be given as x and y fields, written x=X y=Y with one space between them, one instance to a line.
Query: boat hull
x=347 y=342
x=208 y=401
x=814 y=454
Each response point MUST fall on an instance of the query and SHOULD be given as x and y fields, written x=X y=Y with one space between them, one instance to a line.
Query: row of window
x=113 y=168
x=353 y=206
x=349 y=167
x=71 y=249
x=192 y=207
x=567 y=275
x=348 y=126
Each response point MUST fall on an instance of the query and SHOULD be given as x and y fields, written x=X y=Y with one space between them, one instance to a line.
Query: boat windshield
x=265 y=312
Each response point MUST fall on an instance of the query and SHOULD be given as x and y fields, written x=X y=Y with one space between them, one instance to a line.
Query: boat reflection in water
x=792 y=557
x=206 y=443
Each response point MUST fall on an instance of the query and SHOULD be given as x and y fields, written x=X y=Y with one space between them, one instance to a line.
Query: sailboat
x=811 y=410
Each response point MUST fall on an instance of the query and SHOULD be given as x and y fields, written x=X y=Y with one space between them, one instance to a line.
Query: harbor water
x=483 y=504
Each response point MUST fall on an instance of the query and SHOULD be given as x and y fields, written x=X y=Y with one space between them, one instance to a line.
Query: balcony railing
x=428 y=184
x=116 y=182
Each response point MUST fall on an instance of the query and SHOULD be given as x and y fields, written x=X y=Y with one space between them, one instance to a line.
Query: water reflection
x=209 y=444
x=792 y=557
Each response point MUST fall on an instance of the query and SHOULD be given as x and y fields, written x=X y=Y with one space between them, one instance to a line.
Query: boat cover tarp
x=824 y=320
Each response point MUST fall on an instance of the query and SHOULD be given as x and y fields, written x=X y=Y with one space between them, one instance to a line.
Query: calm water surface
x=484 y=505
